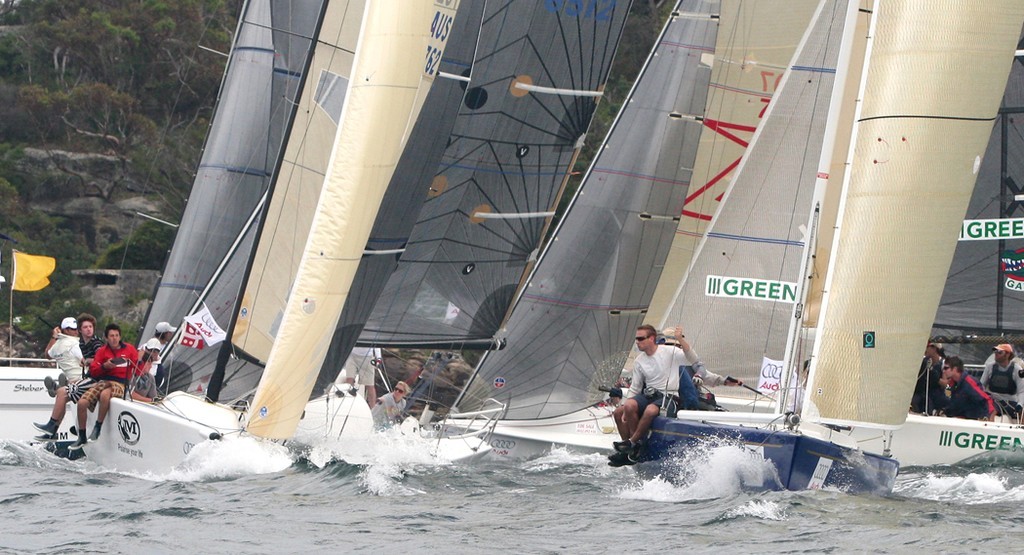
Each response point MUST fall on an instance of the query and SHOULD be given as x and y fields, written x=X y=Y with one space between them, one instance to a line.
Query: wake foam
x=971 y=489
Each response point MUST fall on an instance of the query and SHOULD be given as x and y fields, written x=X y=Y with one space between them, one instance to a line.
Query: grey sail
x=539 y=70
x=286 y=216
x=408 y=188
x=573 y=326
x=984 y=292
x=256 y=104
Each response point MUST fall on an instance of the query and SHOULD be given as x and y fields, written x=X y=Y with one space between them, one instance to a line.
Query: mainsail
x=572 y=326
x=927 y=104
x=256 y=104
x=984 y=292
x=391 y=81
x=737 y=299
x=539 y=70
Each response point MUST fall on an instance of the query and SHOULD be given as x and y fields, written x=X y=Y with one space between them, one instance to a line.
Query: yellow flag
x=31 y=272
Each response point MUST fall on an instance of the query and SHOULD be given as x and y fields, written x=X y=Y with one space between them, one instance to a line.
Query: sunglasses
x=644 y=338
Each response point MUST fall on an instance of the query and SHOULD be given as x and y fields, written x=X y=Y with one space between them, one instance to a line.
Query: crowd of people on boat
x=668 y=376
x=944 y=387
x=94 y=370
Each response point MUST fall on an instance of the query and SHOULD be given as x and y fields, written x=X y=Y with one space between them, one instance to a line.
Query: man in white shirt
x=655 y=382
x=66 y=350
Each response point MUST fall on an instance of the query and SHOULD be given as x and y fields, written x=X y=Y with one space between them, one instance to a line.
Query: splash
x=384 y=459
x=560 y=457
x=713 y=470
x=229 y=458
x=763 y=510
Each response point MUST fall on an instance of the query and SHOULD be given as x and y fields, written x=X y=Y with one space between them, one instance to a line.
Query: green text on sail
x=1008 y=228
x=746 y=288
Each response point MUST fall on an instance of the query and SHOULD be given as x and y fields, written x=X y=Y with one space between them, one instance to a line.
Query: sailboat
x=529 y=100
x=705 y=85
x=980 y=306
x=380 y=107
x=885 y=145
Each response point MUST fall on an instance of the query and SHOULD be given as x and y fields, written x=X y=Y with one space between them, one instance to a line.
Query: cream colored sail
x=300 y=178
x=934 y=77
x=395 y=63
x=756 y=40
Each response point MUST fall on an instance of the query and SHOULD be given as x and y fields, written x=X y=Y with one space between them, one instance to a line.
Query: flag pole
x=10 y=305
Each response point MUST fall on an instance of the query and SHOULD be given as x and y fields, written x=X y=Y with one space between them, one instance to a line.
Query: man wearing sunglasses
x=655 y=379
x=967 y=398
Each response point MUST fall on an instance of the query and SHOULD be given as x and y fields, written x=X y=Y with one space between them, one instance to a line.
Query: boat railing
x=27 y=362
x=476 y=424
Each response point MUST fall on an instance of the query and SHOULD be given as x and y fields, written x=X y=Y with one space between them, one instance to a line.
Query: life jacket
x=1001 y=381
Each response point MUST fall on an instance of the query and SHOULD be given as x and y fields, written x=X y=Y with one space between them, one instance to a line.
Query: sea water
x=246 y=496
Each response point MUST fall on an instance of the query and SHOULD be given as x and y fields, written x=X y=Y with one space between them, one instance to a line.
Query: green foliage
x=125 y=79
x=145 y=249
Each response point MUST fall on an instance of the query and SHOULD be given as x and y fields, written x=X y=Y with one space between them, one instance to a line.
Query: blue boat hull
x=802 y=462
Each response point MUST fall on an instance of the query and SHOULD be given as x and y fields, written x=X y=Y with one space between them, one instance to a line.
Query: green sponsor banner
x=981 y=230
x=746 y=288
x=988 y=442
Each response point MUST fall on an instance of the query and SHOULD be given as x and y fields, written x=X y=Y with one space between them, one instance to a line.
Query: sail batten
x=509 y=152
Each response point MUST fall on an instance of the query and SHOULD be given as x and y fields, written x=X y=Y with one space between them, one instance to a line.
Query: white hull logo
x=128 y=427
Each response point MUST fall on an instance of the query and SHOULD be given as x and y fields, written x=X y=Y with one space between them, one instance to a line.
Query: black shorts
x=667 y=405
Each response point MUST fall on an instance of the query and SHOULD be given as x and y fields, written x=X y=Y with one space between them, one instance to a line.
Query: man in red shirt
x=115 y=364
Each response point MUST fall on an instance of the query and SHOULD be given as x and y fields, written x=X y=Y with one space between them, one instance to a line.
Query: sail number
x=440 y=27
x=601 y=10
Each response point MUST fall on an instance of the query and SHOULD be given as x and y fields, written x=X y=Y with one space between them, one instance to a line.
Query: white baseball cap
x=164 y=327
x=69 y=323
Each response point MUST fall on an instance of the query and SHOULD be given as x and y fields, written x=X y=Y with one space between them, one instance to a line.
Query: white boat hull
x=921 y=441
x=938 y=440
x=156 y=438
x=338 y=414
x=23 y=400
x=589 y=430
